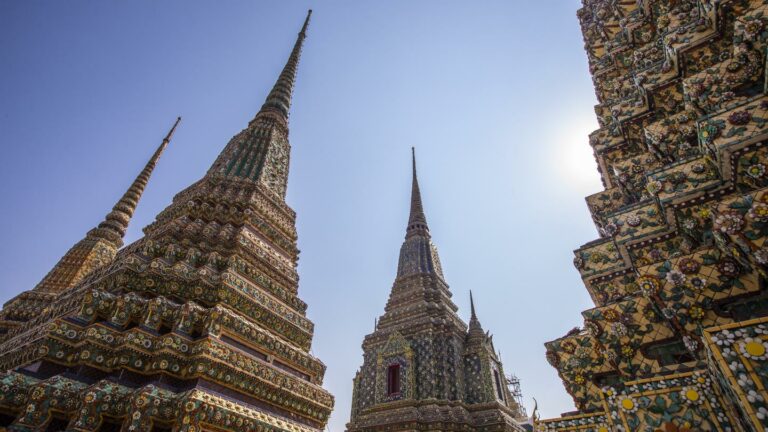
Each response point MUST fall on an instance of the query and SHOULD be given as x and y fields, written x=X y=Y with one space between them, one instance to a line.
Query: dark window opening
x=57 y=423
x=607 y=380
x=196 y=333
x=744 y=307
x=669 y=352
x=6 y=419
x=160 y=428
x=164 y=329
x=393 y=380
x=109 y=424
x=499 y=392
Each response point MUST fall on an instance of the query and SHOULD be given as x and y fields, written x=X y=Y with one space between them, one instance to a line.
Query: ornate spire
x=116 y=222
x=417 y=254
x=417 y=221
x=279 y=99
x=261 y=152
x=475 y=329
x=100 y=245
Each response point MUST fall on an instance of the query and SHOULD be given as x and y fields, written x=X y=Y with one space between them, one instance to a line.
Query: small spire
x=417 y=221
x=116 y=222
x=472 y=305
x=279 y=99
x=417 y=254
x=475 y=329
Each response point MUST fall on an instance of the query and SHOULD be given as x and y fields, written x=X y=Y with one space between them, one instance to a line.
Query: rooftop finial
x=116 y=222
x=417 y=221
x=475 y=329
x=279 y=99
x=472 y=305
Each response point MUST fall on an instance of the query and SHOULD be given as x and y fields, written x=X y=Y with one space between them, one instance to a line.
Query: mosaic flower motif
x=627 y=351
x=692 y=395
x=754 y=348
x=753 y=28
x=697 y=283
x=739 y=118
x=611 y=315
x=611 y=229
x=676 y=277
x=654 y=187
x=688 y=223
x=655 y=254
x=758 y=212
x=689 y=265
x=729 y=222
x=649 y=285
x=592 y=328
x=628 y=404
x=728 y=267
x=696 y=313
x=756 y=171
x=633 y=220
x=702 y=379
x=619 y=329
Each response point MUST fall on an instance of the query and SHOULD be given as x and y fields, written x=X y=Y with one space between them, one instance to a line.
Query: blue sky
x=495 y=96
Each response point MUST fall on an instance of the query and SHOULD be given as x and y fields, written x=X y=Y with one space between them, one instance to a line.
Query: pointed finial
x=279 y=99
x=475 y=328
x=472 y=305
x=417 y=221
x=116 y=222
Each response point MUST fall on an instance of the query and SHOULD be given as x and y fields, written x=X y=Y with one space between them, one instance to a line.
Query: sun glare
x=576 y=164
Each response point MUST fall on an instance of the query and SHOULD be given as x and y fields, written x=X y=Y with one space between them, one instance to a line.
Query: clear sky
x=495 y=96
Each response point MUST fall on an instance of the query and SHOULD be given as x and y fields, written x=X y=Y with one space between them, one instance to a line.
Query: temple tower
x=96 y=249
x=423 y=369
x=677 y=339
x=197 y=325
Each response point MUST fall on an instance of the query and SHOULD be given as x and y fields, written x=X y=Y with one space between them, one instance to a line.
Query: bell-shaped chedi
x=423 y=369
x=197 y=325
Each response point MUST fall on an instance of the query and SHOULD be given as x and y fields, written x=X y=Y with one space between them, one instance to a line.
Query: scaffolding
x=513 y=384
